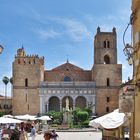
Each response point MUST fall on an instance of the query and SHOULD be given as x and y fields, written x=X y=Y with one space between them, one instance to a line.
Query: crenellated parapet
x=22 y=58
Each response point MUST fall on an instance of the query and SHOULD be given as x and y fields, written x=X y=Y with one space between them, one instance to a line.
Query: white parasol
x=44 y=118
x=26 y=117
x=109 y=121
x=4 y=120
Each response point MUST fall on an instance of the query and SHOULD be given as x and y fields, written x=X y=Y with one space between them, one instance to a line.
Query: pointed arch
x=106 y=59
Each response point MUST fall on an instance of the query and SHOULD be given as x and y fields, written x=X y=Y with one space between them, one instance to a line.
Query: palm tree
x=11 y=82
x=5 y=81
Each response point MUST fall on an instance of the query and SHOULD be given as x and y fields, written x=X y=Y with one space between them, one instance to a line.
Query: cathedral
x=38 y=90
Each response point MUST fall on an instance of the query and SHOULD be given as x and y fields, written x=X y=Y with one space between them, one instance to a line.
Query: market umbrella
x=26 y=117
x=4 y=120
x=109 y=121
x=44 y=118
x=8 y=116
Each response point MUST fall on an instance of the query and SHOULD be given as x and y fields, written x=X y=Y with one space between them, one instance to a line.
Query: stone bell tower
x=105 y=47
x=106 y=72
x=28 y=71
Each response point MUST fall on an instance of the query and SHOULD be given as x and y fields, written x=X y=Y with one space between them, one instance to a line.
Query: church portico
x=54 y=94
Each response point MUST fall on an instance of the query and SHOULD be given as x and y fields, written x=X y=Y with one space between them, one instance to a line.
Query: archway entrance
x=54 y=104
x=80 y=102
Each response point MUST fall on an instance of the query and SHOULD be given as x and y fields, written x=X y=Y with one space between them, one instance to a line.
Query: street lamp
x=1 y=49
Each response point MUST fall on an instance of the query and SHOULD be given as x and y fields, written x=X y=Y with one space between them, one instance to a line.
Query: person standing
x=33 y=132
x=54 y=135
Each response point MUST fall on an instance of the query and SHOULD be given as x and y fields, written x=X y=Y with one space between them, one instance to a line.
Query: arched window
x=108 y=44
x=66 y=79
x=104 y=44
x=106 y=59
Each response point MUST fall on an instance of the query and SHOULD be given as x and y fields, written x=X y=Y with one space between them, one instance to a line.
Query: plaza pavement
x=75 y=135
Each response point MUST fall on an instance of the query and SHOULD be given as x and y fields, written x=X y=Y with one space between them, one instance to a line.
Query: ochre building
x=38 y=90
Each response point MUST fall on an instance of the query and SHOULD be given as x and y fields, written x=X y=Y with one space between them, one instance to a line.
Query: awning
x=109 y=121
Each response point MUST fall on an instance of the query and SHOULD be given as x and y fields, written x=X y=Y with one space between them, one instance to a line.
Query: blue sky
x=60 y=29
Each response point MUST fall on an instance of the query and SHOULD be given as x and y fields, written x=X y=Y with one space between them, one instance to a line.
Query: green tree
x=75 y=117
x=57 y=116
x=82 y=116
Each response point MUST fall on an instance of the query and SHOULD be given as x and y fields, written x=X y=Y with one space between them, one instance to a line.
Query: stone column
x=73 y=103
x=60 y=104
x=41 y=105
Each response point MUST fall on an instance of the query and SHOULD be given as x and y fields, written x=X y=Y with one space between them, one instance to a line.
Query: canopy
x=4 y=120
x=8 y=116
x=109 y=121
x=26 y=117
x=44 y=118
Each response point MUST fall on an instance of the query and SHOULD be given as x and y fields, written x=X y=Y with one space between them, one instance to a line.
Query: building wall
x=136 y=42
x=27 y=74
x=74 y=75
x=5 y=104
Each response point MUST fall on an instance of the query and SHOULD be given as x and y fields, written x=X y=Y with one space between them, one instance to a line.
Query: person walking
x=33 y=132
x=47 y=135
x=23 y=135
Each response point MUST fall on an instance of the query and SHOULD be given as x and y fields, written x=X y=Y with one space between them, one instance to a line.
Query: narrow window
x=28 y=107
x=26 y=82
x=107 y=82
x=26 y=97
x=107 y=109
x=108 y=44
x=107 y=99
x=18 y=61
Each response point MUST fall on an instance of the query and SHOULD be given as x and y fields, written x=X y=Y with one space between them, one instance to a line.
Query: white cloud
x=75 y=29
x=46 y=34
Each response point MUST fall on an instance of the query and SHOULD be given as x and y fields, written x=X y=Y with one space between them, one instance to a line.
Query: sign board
x=126 y=99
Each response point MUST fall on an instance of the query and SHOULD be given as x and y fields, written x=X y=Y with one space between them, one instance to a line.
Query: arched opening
x=54 y=104
x=70 y=102
x=67 y=79
x=106 y=59
x=80 y=102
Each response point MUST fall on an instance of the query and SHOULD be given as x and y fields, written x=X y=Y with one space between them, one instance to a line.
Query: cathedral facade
x=36 y=90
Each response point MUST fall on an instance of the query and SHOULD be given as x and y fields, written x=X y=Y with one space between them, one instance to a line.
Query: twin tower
x=29 y=72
